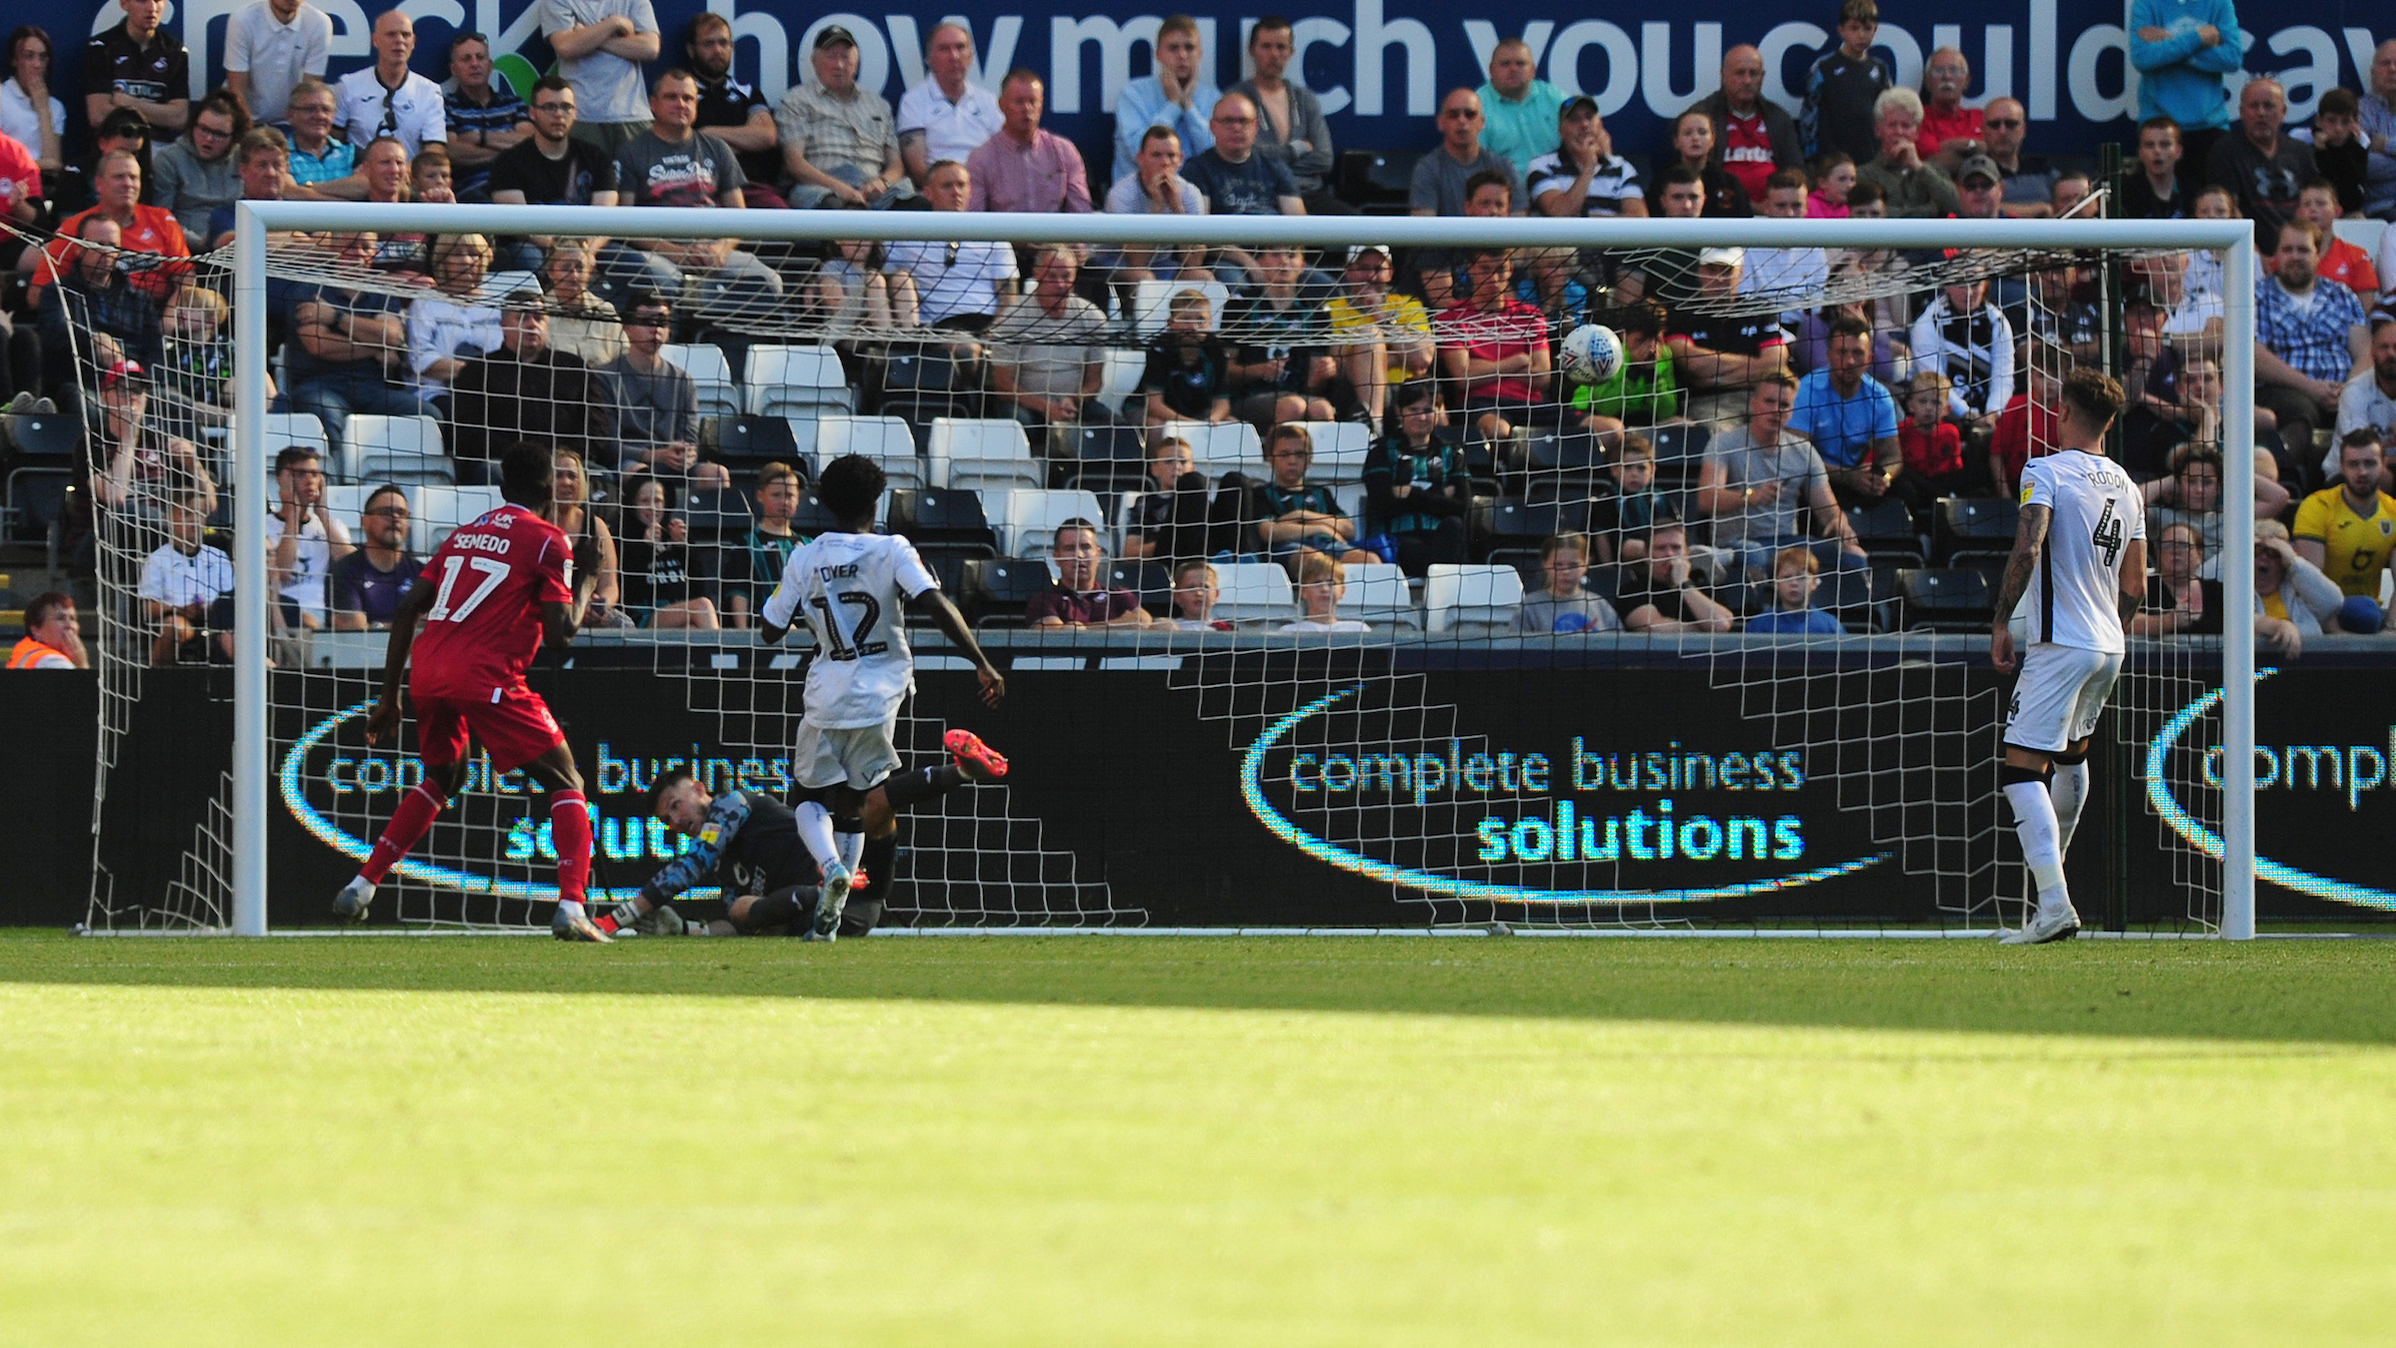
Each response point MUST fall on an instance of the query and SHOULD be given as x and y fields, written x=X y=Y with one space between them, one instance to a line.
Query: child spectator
x=1842 y=85
x=1563 y=606
x=1834 y=180
x=180 y=580
x=1187 y=376
x=1322 y=582
x=1796 y=574
x=1416 y=489
x=2154 y=192
x=1284 y=518
x=1195 y=591
x=659 y=589
x=430 y=176
x=1620 y=523
x=198 y=368
x=2338 y=148
x=2342 y=262
x=1168 y=522
x=1932 y=445
x=753 y=573
x=1643 y=391
x=2198 y=311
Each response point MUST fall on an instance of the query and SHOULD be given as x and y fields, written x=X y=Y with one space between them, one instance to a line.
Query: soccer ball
x=1592 y=354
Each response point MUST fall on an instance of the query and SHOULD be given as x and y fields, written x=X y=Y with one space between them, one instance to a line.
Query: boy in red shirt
x=487 y=598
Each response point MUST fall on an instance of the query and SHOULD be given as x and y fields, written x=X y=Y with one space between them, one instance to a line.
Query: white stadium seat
x=1219 y=447
x=885 y=440
x=704 y=362
x=1027 y=519
x=1254 y=592
x=396 y=449
x=796 y=380
x=984 y=454
x=1478 y=599
x=1152 y=304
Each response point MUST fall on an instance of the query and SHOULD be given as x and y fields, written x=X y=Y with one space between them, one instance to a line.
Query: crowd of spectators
x=1768 y=424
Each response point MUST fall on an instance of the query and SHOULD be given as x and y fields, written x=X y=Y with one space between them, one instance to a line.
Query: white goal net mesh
x=1752 y=673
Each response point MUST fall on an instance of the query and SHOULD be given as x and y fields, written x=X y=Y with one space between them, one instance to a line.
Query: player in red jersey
x=487 y=598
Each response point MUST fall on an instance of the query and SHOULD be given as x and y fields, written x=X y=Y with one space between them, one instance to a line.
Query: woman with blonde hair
x=451 y=324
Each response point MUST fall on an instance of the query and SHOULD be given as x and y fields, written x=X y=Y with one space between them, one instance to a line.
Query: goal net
x=1435 y=632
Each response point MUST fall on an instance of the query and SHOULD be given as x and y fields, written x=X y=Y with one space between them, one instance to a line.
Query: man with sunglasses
x=2026 y=181
x=387 y=99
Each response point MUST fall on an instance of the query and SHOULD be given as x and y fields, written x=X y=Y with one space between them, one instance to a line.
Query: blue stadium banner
x=1381 y=65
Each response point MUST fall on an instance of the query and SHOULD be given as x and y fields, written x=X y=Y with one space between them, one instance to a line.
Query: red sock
x=570 y=833
x=416 y=813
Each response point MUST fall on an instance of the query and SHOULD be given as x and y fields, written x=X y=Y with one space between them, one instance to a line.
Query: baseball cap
x=123 y=369
x=1575 y=104
x=1363 y=248
x=831 y=33
x=1721 y=257
x=1979 y=166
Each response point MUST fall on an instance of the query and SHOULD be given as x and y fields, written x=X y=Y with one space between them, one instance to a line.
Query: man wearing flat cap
x=839 y=141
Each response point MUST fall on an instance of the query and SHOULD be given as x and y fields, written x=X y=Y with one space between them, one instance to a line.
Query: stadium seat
x=988 y=454
x=1946 y=599
x=1377 y=182
x=396 y=449
x=796 y=381
x=1471 y=600
x=937 y=517
x=1147 y=579
x=1378 y=593
x=53 y=437
x=1966 y=529
x=37 y=500
x=1028 y=519
x=705 y=364
x=718 y=516
x=885 y=440
x=1885 y=528
x=1219 y=447
x=1254 y=592
x=1150 y=305
x=1340 y=449
x=1680 y=452
x=284 y=429
x=751 y=440
x=1505 y=529
x=1108 y=458
x=1122 y=378
x=996 y=589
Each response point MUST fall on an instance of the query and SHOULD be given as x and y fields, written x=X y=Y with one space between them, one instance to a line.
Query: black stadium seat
x=945 y=519
x=1969 y=528
x=997 y=588
x=1147 y=579
x=1946 y=599
x=748 y=439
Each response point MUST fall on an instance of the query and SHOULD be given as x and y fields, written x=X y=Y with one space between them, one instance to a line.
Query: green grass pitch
x=1195 y=1142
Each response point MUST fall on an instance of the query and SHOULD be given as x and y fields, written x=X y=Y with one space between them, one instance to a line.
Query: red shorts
x=514 y=729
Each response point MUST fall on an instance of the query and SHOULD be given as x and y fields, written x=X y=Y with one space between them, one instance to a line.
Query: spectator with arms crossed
x=946 y=115
x=1290 y=128
x=1758 y=475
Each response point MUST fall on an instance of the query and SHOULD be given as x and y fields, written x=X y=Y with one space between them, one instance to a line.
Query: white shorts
x=861 y=756
x=2058 y=695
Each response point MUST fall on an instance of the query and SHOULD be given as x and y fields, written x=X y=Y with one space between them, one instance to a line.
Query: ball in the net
x=1591 y=354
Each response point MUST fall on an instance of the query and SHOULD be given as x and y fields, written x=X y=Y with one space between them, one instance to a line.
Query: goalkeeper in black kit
x=749 y=843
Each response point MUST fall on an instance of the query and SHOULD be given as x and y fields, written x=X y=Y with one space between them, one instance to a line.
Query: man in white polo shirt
x=269 y=47
x=946 y=115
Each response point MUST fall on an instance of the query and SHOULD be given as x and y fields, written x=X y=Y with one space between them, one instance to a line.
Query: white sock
x=852 y=848
x=815 y=830
x=2069 y=791
x=2034 y=821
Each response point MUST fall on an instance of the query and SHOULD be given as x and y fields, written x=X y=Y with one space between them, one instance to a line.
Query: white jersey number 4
x=494 y=572
x=2107 y=536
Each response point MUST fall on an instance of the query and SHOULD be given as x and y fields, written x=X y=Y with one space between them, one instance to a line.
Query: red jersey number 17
x=493 y=572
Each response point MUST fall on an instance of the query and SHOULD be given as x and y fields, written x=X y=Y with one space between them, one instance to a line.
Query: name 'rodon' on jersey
x=852 y=591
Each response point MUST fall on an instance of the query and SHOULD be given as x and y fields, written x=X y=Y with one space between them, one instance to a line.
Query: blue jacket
x=2180 y=77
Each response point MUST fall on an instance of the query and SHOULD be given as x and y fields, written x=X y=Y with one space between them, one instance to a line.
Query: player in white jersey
x=2075 y=577
x=851 y=586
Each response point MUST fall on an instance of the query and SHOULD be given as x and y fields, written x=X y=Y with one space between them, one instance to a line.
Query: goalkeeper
x=749 y=842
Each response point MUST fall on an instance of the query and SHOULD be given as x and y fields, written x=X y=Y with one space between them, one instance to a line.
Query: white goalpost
x=252 y=781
